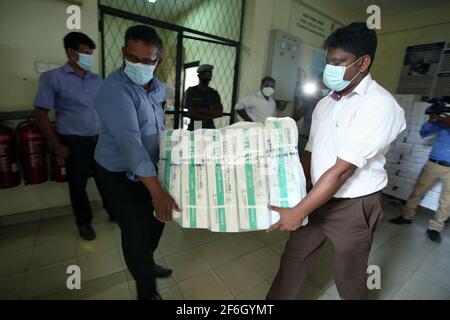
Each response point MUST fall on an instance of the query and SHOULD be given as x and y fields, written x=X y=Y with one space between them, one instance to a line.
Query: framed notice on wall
x=310 y=25
x=426 y=70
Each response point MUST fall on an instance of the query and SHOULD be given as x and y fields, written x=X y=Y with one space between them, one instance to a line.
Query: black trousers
x=79 y=167
x=139 y=228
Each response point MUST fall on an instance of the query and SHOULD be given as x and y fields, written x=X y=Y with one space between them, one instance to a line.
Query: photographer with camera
x=436 y=169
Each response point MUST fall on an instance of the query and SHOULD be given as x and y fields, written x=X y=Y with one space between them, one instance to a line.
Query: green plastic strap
x=192 y=184
x=168 y=161
x=220 y=194
x=249 y=178
x=282 y=182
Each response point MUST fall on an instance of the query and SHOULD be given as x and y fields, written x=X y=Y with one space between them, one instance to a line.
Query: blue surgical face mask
x=139 y=73
x=333 y=77
x=85 y=61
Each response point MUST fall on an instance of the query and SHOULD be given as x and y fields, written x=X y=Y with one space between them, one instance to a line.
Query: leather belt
x=442 y=163
x=344 y=199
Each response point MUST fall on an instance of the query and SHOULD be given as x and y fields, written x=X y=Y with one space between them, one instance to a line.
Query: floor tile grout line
x=238 y=258
x=196 y=275
x=77 y=256
x=29 y=261
x=414 y=272
x=54 y=290
x=179 y=289
x=432 y=281
x=196 y=246
x=221 y=282
x=411 y=293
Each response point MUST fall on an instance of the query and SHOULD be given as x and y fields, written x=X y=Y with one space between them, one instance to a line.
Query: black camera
x=438 y=107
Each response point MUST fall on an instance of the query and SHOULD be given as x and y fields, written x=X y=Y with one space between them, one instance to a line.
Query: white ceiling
x=392 y=7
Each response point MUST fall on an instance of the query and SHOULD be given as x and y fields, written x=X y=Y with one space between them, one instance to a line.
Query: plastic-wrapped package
x=287 y=182
x=223 y=180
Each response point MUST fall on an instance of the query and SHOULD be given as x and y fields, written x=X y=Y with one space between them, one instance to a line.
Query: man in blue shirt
x=130 y=108
x=436 y=169
x=70 y=91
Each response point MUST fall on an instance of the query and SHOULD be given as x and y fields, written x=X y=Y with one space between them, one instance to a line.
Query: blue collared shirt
x=441 y=147
x=72 y=98
x=130 y=123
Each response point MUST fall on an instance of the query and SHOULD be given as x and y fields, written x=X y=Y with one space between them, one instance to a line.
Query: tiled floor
x=34 y=258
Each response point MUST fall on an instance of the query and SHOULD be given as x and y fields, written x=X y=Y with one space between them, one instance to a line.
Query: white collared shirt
x=359 y=129
x=258 y=107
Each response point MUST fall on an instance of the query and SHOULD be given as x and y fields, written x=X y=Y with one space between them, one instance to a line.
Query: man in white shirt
x=352 y=129
x=259 y=106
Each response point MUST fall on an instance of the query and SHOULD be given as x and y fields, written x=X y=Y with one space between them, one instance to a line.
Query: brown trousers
x=349 y=225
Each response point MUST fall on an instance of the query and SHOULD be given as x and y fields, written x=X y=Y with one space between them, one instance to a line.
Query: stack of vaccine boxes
x=409 y=153
x=223 y=180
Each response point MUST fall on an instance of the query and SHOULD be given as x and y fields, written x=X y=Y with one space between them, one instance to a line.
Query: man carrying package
x=351 y=131
x=129 y=106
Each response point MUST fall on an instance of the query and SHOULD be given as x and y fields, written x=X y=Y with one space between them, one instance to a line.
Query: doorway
x=184 y=49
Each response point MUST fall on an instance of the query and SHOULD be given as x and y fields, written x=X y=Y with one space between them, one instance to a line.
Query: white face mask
x=268 y=91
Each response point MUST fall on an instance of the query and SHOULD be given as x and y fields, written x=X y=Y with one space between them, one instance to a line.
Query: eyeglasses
x=135 y=59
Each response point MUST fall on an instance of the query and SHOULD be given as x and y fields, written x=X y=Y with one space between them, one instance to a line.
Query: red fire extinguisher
x=58 y=165
x=33 y=156
x=9 y=168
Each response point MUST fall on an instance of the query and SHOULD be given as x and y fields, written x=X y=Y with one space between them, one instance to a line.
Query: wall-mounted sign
x=309 y=25
x=426 y=70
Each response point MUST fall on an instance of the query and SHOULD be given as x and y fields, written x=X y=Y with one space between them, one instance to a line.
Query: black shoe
x=87 y=232
x=434 y=235
x=400 y=220
x=161 y=272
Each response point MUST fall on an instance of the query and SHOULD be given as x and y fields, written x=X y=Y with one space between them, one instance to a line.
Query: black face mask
x=204 y=81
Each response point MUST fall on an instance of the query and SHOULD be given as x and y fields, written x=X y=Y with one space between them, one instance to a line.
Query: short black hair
x=355 y=38
x=143 y=33
x=267 y=78
x=73 y=40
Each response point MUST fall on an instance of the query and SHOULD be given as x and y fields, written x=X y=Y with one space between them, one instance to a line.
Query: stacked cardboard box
x=409 y=153
x=223 y=180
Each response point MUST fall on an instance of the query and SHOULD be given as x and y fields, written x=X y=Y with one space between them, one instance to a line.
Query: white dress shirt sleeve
x=243 y=104
x=375 y=125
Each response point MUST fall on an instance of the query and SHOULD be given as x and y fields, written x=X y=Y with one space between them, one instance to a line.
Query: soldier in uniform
x=203 y=102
